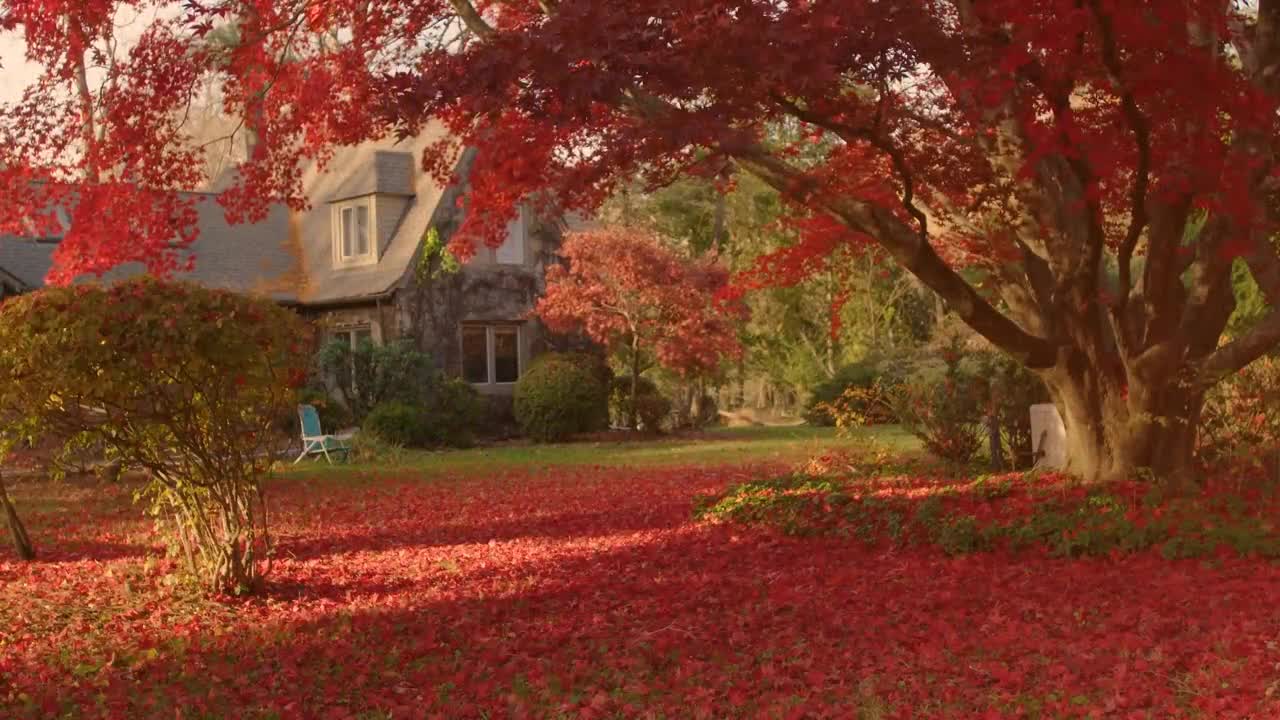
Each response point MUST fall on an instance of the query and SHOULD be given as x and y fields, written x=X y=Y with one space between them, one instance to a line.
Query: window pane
x=511 y=251
x=475 y=355
x=362 y=336
x=348 y=232
x=506 y=355
x=362 y=230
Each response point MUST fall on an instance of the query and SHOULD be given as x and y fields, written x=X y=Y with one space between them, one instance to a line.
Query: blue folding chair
x=314 y=441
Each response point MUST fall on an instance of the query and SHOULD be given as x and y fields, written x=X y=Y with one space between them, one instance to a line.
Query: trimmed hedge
x=562 y=394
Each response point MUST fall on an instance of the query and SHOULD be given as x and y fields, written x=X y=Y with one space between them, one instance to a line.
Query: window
x=511 y=251
x=475 y=354
x=506 y=355
x=353 y=237
x=353 y=337
x=490 y=354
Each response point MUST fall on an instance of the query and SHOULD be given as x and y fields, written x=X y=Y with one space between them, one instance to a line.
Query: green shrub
x=369 y=374
x=369 y=447
x=452 y=411
x=652 y=407
x=187 y=382
x=448 y=417
x=560 y=395
x=397 y=423
x=861 y=375
x=1012 y=390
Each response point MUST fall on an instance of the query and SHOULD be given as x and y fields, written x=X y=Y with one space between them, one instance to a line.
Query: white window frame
x=355 y=259
x=490 y=354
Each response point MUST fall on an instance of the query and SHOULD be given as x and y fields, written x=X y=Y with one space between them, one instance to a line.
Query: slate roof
x=289 y=256
x=259 y=257
x=385 y=172
x=26 y=260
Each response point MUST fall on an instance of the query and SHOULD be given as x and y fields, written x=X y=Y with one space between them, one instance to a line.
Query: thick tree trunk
x=21 y=541
x=1145 y=429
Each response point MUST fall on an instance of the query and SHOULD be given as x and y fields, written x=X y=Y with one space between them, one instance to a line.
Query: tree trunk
x=634 y=419
x=21 y=541
x=1125 y=432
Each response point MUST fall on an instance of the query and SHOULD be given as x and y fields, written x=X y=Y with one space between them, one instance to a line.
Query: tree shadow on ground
x=702 y=622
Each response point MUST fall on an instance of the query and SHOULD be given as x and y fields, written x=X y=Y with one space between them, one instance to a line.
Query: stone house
x=350 y=262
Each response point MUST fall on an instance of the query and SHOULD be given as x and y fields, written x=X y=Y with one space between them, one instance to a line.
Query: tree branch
x=1264 y=263
x=911 y=251
x=472 y=19
x=895 y=154
x=1141 y=129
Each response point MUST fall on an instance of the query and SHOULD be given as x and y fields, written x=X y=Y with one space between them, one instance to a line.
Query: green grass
x=721 y=446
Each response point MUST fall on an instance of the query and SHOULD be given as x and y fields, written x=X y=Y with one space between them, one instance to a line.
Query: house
x=350 y=262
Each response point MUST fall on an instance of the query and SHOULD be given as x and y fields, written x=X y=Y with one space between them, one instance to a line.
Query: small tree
x=184 y=383
x=639 y=299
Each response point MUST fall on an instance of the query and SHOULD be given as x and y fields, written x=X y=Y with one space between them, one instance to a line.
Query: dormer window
x=512 y=249
x=353 y=241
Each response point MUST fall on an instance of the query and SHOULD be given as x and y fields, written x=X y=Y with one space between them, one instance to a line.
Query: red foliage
x=622 y=284
x=590 y=593
x=592 y=92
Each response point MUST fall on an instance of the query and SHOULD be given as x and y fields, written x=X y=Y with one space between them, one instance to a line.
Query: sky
x=15 y=72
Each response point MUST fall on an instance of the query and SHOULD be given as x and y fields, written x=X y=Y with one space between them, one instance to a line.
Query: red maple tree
x=1094 y=167
x=626 y=291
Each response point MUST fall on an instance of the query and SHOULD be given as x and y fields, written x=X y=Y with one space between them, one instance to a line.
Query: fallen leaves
x=591 y=593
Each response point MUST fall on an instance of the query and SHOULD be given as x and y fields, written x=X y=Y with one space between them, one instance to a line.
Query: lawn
x=574 y=582
x=720 y=446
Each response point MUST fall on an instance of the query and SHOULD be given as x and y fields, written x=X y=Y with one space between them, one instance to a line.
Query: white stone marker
x=1048 y=436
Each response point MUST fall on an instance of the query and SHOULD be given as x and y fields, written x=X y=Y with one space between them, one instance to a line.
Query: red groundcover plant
x=627 y=291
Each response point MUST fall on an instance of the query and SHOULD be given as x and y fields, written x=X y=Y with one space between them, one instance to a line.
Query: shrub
x=447 y=418
x=859 y=376
x=1241 y=416
x=369 y=447
x=398 y=423
x=452 y=410
x=186 y=382
x=369 y=374
x=1012 y=390
x=947 y=412
x=560 y=395
x=652 y=407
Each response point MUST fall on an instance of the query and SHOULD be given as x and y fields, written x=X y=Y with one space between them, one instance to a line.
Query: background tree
x=810 y=316
x=1007 y=153
x=640 y=300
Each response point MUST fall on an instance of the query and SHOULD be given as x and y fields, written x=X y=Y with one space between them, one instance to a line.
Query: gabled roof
x=288 y=256
x=326 y=284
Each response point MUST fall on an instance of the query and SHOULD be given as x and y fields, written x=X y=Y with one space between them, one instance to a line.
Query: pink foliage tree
x=627 y=291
